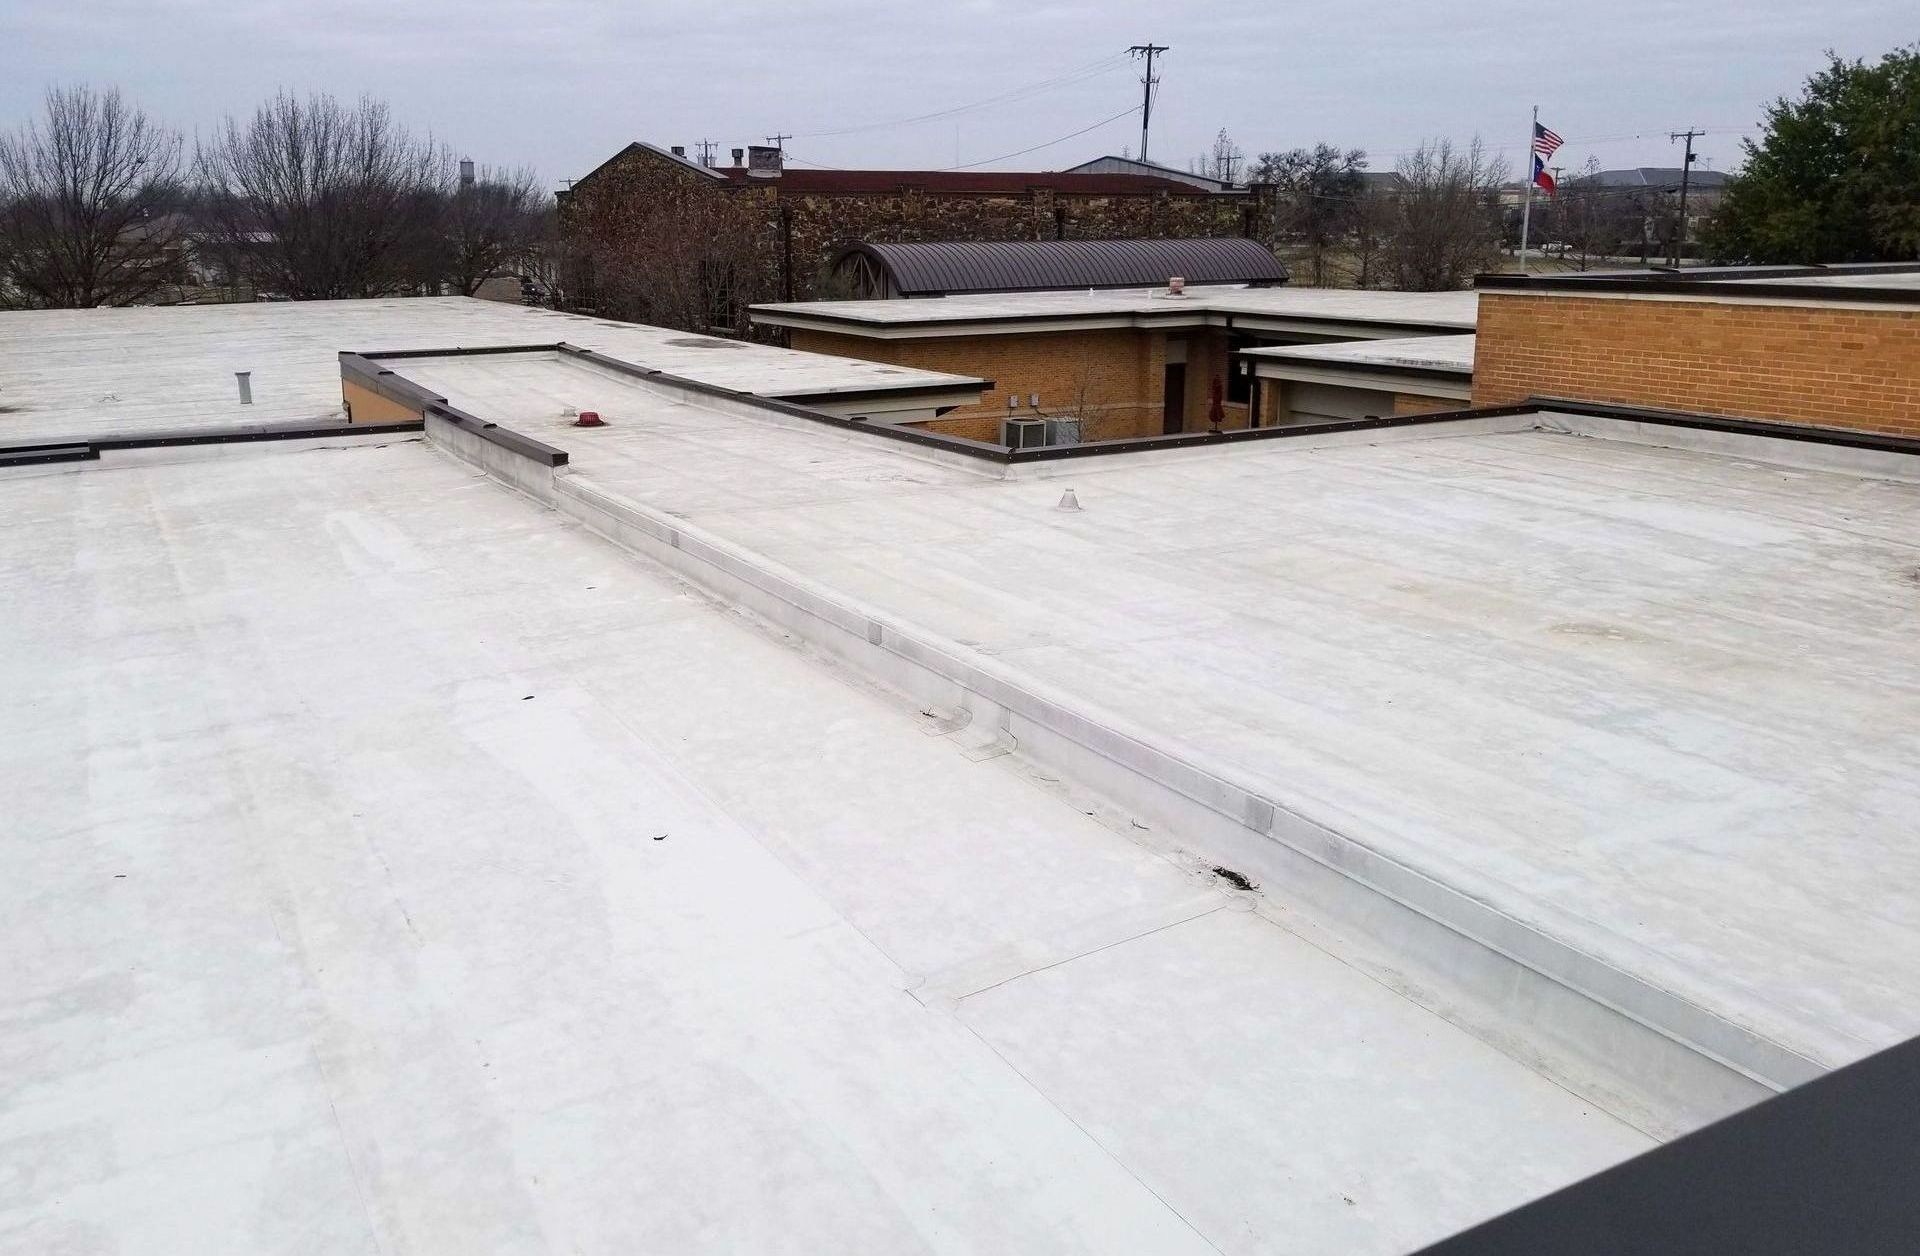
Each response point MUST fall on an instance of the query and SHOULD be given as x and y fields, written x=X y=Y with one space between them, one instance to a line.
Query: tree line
x=307 y=198
x=1431 y=223
x=1833 y=177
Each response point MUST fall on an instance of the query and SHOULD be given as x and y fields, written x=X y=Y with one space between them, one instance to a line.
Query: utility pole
x=706 y=151
x=1686 y=177
x=1148 y=84
x=779 y=142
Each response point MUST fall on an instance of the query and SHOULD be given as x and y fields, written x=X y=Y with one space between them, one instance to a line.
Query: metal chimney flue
x=739 y=156
x=765 y=161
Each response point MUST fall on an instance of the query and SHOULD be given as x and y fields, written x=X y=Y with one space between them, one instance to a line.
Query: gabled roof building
x=650 y=221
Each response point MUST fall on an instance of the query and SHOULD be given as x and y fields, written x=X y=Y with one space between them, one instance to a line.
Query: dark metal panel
x=1831 y=1168
x=922 y=268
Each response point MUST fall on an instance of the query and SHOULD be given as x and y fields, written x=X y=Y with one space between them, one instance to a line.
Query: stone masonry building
x=651 y=235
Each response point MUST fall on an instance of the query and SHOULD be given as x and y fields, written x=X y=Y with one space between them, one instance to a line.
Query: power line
x=1577 y=141
x=987 y=161
x=1092 y=69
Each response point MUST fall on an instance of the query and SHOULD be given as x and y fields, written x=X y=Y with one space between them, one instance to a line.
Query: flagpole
x=1526 y=214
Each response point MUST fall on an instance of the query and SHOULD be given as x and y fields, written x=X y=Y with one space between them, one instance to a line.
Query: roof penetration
x=967 y=266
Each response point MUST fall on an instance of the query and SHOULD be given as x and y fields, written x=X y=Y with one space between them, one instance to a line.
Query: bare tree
x=496 y=222
x=1580 y=214
x=1448 y=225
x=1371 y=225
x=1318 y=187
x=315 y=199
x=1222 y=161
x=87 y=204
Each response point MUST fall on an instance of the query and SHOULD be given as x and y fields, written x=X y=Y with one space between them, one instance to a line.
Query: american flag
x=1545 y=141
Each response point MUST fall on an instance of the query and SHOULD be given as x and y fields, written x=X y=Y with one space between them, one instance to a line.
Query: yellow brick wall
x=366 y=406
x=1208 y=359
x=1409 y=403
x=1121 y=372
x=1855 y=367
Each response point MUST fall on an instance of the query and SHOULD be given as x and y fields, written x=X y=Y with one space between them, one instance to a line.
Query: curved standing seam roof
x=947 y=267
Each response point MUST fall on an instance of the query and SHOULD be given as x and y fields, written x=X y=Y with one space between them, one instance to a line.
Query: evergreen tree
x=1836 y=177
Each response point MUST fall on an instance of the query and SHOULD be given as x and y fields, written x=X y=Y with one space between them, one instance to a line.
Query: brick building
x=1130 y=364
x=1835 y=346
x=653 y=236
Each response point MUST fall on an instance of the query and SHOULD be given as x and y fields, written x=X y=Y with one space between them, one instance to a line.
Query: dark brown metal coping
x=364 y=370
x=1187 y=440
x=90 y=450
x=1775 y=284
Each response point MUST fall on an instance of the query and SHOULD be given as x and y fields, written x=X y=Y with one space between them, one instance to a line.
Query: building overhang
x=1424 y=381
x=1191 y=318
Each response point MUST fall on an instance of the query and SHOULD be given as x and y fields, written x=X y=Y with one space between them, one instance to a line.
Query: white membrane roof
x=1660 y=703
x=73 y=374
x=393 y=866
x=1439 y=309
x=1428 y=353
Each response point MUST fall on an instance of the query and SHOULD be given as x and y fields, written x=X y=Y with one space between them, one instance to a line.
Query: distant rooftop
x=1433 y=355
x=804 y=179
x=74 y=373
x=1332 y=311
x=1659 y=177
x=1133 y=165
x=775 y=170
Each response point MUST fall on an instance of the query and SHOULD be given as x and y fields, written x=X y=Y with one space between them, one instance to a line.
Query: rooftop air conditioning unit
x=1023 y=433
x=1063 y=431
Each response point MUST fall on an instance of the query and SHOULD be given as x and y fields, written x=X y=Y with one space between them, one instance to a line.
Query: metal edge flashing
x=1188 y=440
x=786 y=406
x=1702 y=289
x=366 y=372
x=1049 y=322
x=536 y=451
x=905 y=392
x=18 y=455
x=364 y=369
x=1848 y=438
x=37 y=455
x=1341 y=366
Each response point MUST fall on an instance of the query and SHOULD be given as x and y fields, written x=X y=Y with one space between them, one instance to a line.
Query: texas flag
x=1545 y=143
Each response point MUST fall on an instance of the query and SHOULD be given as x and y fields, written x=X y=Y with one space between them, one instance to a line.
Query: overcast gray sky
x=562 y=84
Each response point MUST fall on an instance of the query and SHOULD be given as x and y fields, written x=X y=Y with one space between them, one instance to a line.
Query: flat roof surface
x=1426 y=353
x=1658 y=703
x=79 y=373
x=392 y=866
x=1439 y=309
x=1879 y=279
